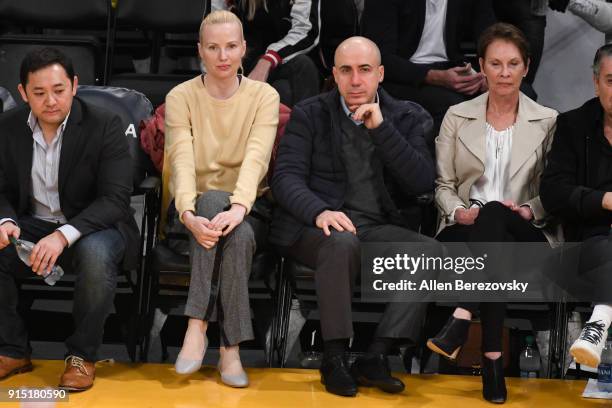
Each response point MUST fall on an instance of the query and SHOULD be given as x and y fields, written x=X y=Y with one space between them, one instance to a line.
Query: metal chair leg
x=563 y=338
x=275 y=323
x=285 y=311
x=551 y=342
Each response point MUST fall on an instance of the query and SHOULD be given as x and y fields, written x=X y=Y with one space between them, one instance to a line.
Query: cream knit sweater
x=214 y=144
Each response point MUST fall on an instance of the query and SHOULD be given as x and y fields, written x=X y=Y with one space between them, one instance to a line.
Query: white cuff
x=3 y=220
x=451 y=217
x=70 y=233
x=533 y=217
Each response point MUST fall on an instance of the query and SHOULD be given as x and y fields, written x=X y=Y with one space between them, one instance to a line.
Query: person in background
x=529 y=16
x=420 y=43
x=279 y=35
x=598 y=13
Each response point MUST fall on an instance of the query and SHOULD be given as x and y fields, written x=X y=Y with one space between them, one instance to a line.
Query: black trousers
x=94 y=258
x=595 y=267
x=495 y=223
x=295 y=80
x=337 y=261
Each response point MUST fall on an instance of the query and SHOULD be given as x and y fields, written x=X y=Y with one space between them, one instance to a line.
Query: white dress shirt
x=44 y=193
x=494 y=184
x=431 y=46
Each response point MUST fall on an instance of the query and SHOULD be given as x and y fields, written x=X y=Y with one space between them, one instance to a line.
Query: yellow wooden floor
x=156 y=385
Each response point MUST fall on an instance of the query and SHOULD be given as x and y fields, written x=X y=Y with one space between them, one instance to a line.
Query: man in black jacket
x=65 y=184
x=577 y=187
x=420 y=45
x=345 y=156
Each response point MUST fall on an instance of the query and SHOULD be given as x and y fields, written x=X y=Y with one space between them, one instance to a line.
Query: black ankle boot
x=450 y=339
x=493 y=382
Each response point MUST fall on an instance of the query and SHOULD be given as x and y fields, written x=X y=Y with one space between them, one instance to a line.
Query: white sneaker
x=587 y=349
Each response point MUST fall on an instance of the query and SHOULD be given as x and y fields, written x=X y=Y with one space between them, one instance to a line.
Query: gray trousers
x=222 y=295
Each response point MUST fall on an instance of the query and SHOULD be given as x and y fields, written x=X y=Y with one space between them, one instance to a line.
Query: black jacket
x=95 y=172
x=396 y=27
x=309 y=175
x=567 y=189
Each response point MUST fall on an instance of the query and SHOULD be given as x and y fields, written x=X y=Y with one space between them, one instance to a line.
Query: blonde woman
x=220 y=129
x=280 y=35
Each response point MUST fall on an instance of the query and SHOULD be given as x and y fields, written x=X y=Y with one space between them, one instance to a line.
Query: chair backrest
x=85 y=50
x=57 y=13
x=132 y=107
x=177 y=16
x=13 y=49
x=6 y=100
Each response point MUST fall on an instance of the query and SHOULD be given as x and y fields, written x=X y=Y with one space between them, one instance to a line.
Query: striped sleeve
x=303 y=35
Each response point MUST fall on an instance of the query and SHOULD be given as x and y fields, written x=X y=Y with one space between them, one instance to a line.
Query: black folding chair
x=155 y=19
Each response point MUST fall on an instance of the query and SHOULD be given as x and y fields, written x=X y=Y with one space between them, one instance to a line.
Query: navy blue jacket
x=309 y=175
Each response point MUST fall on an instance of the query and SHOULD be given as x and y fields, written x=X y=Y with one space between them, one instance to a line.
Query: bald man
x=347 y=162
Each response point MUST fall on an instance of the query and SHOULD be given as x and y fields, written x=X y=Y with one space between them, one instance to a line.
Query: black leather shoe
x=336 y=377
x=449 y=341
x=493 y=382
x=373 y=371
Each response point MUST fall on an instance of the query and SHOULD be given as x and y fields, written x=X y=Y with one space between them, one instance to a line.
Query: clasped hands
x=207 y=232
x=467 y=216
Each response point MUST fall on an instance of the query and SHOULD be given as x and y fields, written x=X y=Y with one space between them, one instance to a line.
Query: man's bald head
x=362 y=45
x=357 y=71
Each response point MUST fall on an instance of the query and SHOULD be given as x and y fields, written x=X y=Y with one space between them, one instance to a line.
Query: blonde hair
x=220 y=17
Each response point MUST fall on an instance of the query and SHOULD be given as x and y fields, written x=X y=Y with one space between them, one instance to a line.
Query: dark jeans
x=337 y=263
x=495 y=223
x=518 y=13
x=95 y=259
x=295 y=80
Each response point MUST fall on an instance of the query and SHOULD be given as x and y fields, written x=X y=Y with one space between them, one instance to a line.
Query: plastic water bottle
x=529 y=362
x=604 y=370
x=24 y=249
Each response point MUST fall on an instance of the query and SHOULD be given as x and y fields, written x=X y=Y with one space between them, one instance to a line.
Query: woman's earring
x=241 y=70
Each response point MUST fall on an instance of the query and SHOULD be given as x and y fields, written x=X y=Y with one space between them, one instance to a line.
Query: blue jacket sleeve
x=400 y=143
x=292 y=169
